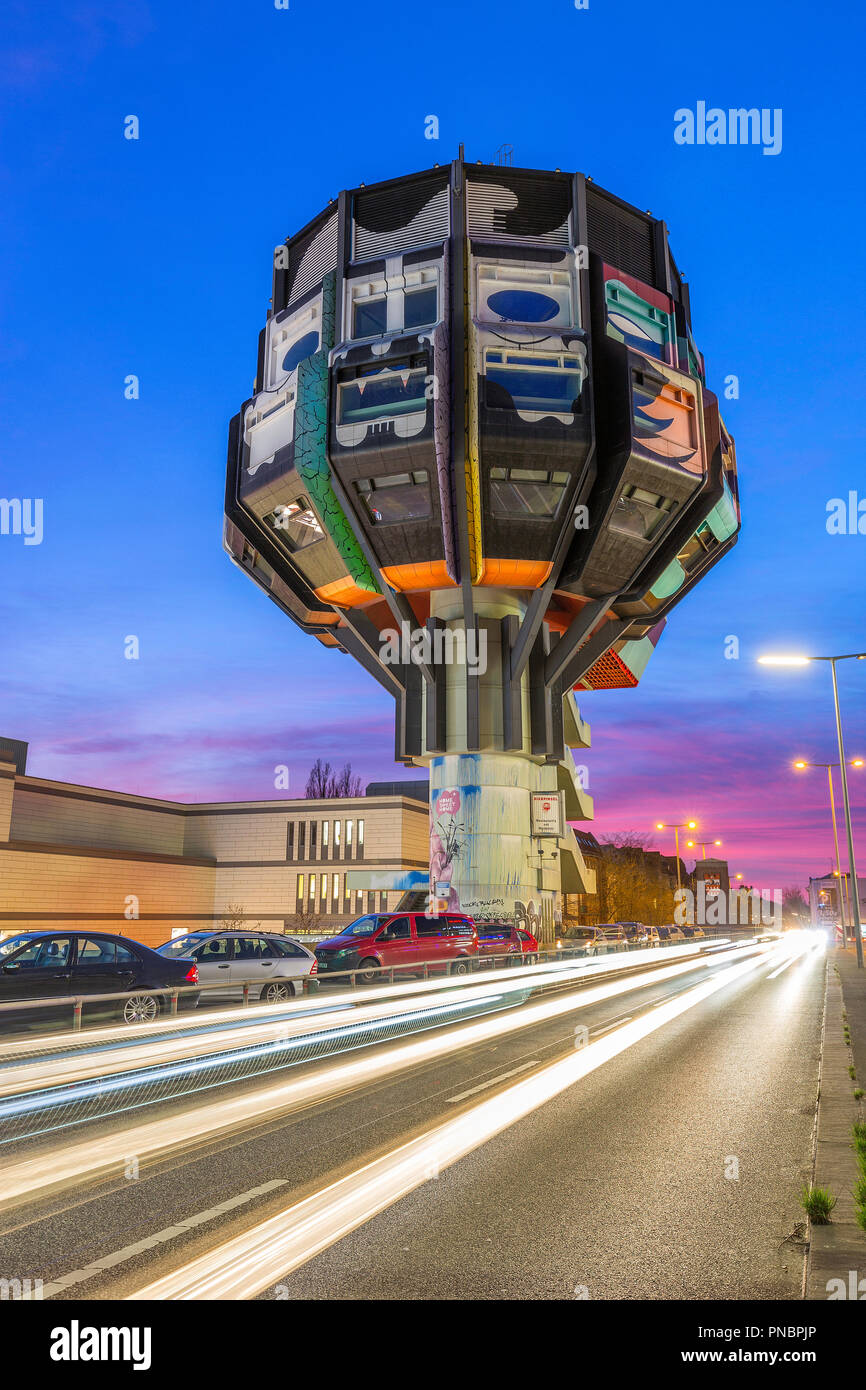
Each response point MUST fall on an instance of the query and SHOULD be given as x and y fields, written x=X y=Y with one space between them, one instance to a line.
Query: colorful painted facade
x=480 y=412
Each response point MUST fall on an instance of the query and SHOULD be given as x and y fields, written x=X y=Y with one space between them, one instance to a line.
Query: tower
x=482 y=459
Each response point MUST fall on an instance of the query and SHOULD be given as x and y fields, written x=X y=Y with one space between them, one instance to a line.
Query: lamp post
x=852 y=868
x=690 y=844
x=676 y=828
x=800 y=764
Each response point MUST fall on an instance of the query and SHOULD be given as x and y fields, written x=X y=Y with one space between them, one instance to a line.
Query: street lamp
x=800 y=765
x=676 y=828
x=690 y=844
x=852 y=868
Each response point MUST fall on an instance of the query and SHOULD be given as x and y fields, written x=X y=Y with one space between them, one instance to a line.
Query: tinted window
x=399 y=930
x=96 y=952
x=287 y=948
x=45 y=953
x=250 y=948
x=433 y=926
x=125 y=956
x=402 y=497
x=217 y=949
x=182 y=945
x=364 y=926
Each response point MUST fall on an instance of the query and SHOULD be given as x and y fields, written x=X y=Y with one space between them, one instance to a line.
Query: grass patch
x=852 y=1073
x=858 y=1093
x=817 y=1202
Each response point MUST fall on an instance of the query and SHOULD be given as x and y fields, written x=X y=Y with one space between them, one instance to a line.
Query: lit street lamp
x=690 y=844
x=676 y=828
x=852 y=868
x=800 y=764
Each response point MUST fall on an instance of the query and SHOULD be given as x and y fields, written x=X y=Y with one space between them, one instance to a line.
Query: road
x=670 y=1168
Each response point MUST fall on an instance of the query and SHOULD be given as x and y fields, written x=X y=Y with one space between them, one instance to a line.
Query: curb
x=839 y=1247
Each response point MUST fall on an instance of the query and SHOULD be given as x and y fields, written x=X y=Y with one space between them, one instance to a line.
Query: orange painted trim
x=428 y=574
x=327 y=640
x=514 y=574
x=344 y=593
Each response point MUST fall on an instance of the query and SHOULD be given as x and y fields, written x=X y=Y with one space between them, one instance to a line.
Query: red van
x=447 y=944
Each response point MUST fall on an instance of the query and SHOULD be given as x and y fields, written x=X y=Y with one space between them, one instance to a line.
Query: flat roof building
x=79 y=856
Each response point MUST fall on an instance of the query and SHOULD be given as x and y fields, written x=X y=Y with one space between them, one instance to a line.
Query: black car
x=57 y=964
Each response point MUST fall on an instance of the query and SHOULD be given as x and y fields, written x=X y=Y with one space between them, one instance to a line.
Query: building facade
x=78 y=856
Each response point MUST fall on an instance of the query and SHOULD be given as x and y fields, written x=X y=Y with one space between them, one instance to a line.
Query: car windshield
x=182 y=945
x=13 y=942
x=365 y=926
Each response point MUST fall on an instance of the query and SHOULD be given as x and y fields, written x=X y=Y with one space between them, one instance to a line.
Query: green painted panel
x=311 y=447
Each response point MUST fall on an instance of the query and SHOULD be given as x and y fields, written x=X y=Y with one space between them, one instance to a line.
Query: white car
x=273 y=966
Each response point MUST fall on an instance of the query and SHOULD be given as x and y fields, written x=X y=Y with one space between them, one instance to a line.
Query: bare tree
x=323 y=783
x=795 y=909
x=235 y=919
x=319 y=781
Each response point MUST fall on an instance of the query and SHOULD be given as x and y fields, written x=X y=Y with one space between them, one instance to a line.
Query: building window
x=314 y=827
x=312 y=892
x=360 y=850
x=295 y=524
x=383 y=902
x=377 y=392
x=337 y=839
x=299 y=893
x=349 y=825
x=326 y=826
x=549 y=383
x=324 y=890
x=641 y=513
x=335 y=891
x=400 y=498
x=291 y=340
x=371 y=902
x=420 y=307
x=290 y=840
x=359 y=900
x=347 y=893
x=509 y=293
x=525 y=492
x=302 y=831
x=409 y=301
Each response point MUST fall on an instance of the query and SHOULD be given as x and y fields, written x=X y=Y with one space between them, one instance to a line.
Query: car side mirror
x=11 y=967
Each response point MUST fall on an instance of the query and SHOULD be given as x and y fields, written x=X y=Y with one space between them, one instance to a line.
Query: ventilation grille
x=519 y=208
x=621 y=238
x=608 y=673
x=311 y=258
x=389 y=220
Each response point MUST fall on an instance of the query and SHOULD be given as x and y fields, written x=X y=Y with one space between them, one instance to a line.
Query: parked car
x=271 y=964
x=51 y=965
x=406 y=941
x=694 y=933
x=671 y=933
x=518 y=945
x=595 y=941
x=636 y=933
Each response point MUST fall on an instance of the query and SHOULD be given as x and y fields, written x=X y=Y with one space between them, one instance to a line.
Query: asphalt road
x=617 y=1188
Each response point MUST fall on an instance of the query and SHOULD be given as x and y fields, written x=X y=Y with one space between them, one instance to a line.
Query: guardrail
x=385 y=974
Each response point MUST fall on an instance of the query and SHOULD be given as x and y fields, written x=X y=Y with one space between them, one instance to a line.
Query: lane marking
x=473 y=1090
x=244 y=1266
x=117 y=1257
x=597 y=1032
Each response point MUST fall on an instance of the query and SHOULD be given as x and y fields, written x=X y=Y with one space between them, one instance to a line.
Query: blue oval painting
x=523 y=306
x=304 y=347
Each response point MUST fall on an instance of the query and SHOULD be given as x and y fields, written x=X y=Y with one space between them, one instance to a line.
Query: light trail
x=53 y=1169
x=116 y=1037
x=244 y=1266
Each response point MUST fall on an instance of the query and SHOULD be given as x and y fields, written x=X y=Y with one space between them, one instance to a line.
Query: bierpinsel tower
x=482 y=459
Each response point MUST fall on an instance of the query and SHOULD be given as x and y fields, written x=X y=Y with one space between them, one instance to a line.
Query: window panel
x=295 y=524
x=419 y=307
x=384 y=393
x=402 y=497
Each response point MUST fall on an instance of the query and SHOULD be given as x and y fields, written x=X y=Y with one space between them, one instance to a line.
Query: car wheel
x=368 y=970
x=141 y=1008
x=459 y=967
x=278 y=991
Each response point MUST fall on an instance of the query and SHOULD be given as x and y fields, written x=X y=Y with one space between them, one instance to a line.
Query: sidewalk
x=840 y=1247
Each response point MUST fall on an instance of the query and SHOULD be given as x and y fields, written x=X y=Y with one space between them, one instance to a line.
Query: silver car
x=273 y=966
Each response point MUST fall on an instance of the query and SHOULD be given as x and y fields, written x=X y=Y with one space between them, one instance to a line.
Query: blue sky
x=152 y=257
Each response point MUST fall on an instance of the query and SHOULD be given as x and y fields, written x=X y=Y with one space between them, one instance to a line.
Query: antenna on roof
x=460 y=152
x=504 y=155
